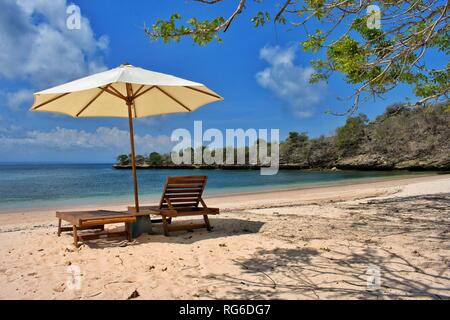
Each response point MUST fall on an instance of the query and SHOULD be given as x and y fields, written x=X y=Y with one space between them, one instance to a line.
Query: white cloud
x=6 y=127
x=15 y=100
x=290 y=82
x=36 y=44
x=103 y=138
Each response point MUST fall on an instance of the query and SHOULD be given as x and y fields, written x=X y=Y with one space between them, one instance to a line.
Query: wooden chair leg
x=208 y=226
x=75 y=236
x=165 y=226
x=59 y=227
x=128 y=230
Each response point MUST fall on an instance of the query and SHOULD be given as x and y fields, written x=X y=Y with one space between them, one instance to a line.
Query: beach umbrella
x=125 y=92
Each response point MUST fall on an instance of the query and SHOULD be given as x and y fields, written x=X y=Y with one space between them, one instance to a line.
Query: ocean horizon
x=46 y=184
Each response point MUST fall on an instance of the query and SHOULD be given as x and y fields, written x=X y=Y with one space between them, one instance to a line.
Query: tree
x=123 y=160
x=155 y=159
x=352 y=134
x=420 y=132
x=140 y=160
x=322 y=152
x=295 y=148
x=375 y=47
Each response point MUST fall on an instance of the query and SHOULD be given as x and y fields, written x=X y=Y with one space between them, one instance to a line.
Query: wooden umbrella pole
x=133 y=158
x=133 y=155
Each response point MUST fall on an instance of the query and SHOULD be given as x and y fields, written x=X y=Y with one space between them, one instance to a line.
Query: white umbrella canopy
x=127 y=92
x=103 y=94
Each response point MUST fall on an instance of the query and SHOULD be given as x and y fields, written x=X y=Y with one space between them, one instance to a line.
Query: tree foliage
x=123 y=160
x=352 y=134
x=155 y=159
x=374 y=60
x=401 y=137
x=294 y=149
x=140 y=160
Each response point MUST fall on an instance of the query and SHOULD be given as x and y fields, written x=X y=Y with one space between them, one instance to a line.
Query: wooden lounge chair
x=87 y=220
x=181 y=197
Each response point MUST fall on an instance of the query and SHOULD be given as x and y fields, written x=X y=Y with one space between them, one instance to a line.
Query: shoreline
x=282 y=167
x=303 y=193
x=219 y=194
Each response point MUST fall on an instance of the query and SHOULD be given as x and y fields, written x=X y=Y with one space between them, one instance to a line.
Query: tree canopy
x=155 y=159
x=376 y=48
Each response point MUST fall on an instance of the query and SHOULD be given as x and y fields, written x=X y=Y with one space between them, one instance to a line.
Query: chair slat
x=182 y=195
x=180 y=205
x=173 y=200
x=186 y=179
x=194 y=200
x=198 y=182
x=190 y=190
x=185 y=185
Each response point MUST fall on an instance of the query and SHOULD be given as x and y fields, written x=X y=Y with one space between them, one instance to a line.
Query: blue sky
x=261 y=73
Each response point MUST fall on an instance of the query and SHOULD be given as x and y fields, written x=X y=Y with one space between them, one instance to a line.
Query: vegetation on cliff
x=401 y=138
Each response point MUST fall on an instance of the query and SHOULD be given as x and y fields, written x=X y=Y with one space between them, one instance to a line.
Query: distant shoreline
x=281 y=167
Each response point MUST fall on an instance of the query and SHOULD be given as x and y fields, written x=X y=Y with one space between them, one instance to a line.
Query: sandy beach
x=374 y=240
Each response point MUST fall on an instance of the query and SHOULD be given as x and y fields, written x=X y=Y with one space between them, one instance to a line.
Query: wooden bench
x=90 y=220
x=181 y=197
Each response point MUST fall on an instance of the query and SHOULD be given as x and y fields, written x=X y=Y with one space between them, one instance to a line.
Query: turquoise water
x=50 y=185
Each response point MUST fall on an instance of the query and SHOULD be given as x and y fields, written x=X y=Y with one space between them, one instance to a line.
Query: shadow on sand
x=222 y=227
x=306 y=273
x=344 y=271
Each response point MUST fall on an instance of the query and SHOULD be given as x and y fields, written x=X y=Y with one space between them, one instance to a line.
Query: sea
x=45 y=185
